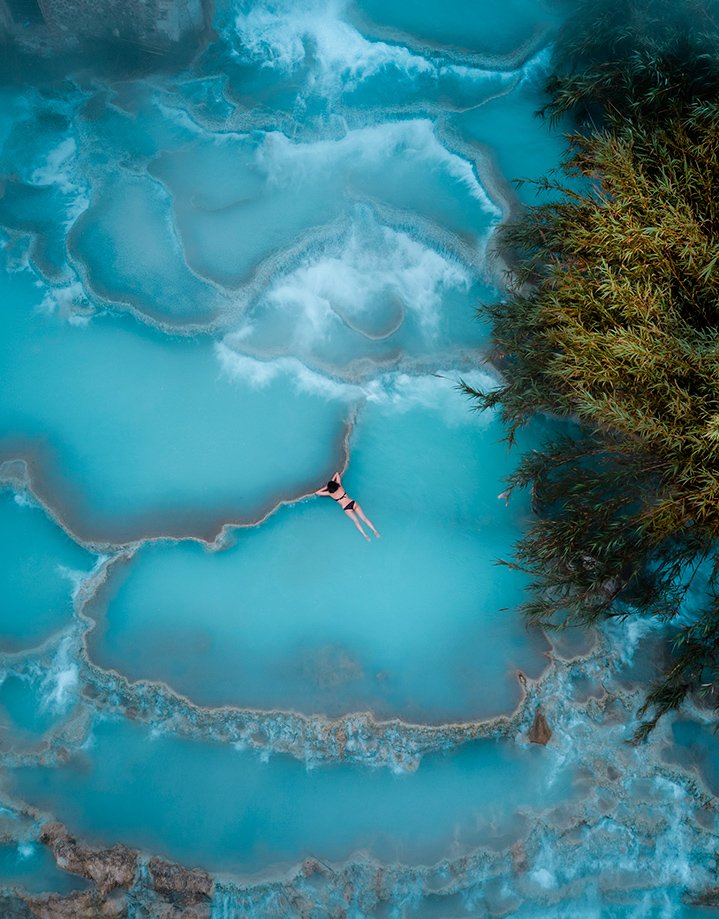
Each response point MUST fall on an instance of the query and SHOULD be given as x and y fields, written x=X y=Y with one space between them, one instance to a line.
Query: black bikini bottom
x=349 y=507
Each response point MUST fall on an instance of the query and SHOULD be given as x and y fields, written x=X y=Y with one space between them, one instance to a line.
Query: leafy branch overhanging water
x=611 y=323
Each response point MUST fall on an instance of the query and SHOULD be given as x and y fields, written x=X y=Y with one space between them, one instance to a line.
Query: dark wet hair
x=332 y=486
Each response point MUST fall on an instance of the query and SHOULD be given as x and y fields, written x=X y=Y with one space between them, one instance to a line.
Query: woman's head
x=332 y=486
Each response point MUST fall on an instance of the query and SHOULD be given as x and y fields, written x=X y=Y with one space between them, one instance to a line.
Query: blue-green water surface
x=221 y=282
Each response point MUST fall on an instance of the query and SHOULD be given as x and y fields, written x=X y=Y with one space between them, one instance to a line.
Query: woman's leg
x=353 y=518
x=366 y=519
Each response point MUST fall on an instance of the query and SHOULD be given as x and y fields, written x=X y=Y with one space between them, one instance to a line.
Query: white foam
x=61 y=679
x=17 y=259
x=399 y=392
x=476 y=74
x=373 y=266
x=285 y=162
x=78 y=578
x=70 y=301
x=537 y=68
x=25 y=850
x=55 y=170
x=438 y=392
x=286 y=35
x=629 y=633
x=259 y=374
x=673 y=854
x=59 y=170
x=544 y=878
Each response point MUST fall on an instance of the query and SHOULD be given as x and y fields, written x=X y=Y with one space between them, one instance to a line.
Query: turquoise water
x=483 y=28
x=219 y=284
x=297 y=615
x=80 y=401
x=39 y=564
x=31 y=867
x=228 y=811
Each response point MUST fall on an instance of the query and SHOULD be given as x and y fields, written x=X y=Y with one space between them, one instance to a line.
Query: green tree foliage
x=619 y=61
x=612 y=323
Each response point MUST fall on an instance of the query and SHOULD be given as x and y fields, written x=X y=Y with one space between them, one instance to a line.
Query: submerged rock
x=540 y=732
x=155 y=26
x=76 y=906
x=172 y=891
x=14 y=908
x=155 y=908
x=520 y=862
x=94 y=906
x=186 y=885
x=108 y=868
x=709 y=899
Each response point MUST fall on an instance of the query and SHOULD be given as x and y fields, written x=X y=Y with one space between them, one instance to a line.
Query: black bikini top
x=341 y=497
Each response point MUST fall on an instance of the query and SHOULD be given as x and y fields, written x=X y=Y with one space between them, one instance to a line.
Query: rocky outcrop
x=540 y=732
x=93 y=906
x=156 y=24
x=13 y=907
x=310 y=738
x=175 y=891
x=180 y=885
x=77 y=906
x=158 y=27
x=156 y=908
x=709 y=899
x=520 y=862
x=108 y=868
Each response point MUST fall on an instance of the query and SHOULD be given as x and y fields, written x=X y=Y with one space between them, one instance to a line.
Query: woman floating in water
x=334 y=489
